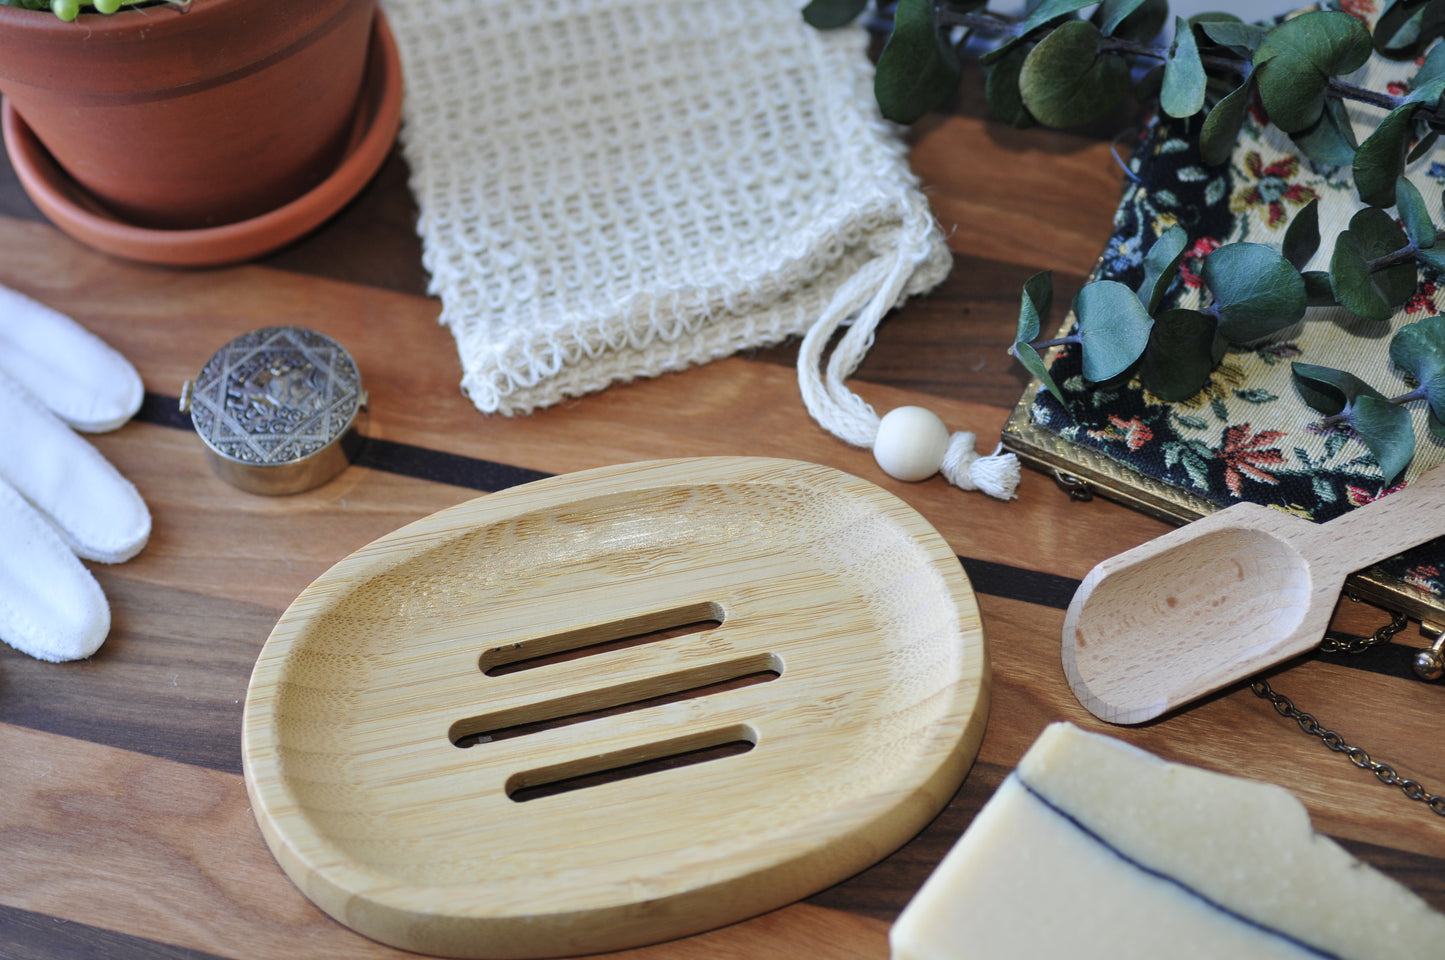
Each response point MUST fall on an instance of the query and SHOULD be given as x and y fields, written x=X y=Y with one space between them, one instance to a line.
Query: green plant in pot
x=1071 y=62
x=68 y=10
x=186 y=116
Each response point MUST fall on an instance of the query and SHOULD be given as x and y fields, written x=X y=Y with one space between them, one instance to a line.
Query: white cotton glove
x=59 y=498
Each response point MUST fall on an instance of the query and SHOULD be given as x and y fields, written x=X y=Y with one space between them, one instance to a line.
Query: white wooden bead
x=911 y=443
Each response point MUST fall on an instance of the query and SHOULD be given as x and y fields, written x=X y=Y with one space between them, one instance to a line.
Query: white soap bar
x=1094 y=848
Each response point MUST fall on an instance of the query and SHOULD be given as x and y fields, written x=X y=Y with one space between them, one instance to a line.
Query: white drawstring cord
x=909 y=448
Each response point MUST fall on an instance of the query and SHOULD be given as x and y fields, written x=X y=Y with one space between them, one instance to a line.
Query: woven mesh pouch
x=611 y=189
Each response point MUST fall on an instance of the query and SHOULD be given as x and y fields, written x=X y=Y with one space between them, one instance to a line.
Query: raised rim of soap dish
x=378 y=672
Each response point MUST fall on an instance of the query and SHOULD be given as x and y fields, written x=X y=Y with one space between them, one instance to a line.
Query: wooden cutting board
x=125 y=826
x=689 y=692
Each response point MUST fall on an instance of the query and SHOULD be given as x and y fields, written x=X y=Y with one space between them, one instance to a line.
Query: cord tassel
x=996 y=474
x=910 y=443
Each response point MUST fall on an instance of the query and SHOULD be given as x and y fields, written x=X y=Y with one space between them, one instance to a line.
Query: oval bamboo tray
x=615 y=707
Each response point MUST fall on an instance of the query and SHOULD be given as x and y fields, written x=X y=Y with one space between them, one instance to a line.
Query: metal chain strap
x=1348 y=643
x=1335 y=642
x=1383 y=771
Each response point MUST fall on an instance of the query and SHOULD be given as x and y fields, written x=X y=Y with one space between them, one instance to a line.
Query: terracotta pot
x=191 y=118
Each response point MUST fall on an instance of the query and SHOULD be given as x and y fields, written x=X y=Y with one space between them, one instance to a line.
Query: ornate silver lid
x=275 y=407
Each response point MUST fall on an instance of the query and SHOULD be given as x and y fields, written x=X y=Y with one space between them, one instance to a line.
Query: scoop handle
x=1385 y=527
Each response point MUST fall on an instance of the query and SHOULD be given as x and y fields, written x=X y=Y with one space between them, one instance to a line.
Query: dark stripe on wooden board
x=402 y=459
x=35 y=936
x=422 y=463
x=161 y=689
x=473 y=473
x=1019 y=583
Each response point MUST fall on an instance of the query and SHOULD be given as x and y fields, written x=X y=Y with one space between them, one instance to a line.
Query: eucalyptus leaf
x=1025 y=354
x=1007 y=46
x=1231 y=33
x=1318 y=292
x=1380 y=160
x=1302 y=236
x=1182 y=94
x=1379 y=236
x=1387 y=431
x=1051 y=10
x=1331 y=139
x=1384 y=427
x=1111 y=13
x=1427 y=95
x=1066 y=82
x=1435 y=425
x=1419 y=350
x=1328 y=390
x=1431 y=73
x=1351 y=283
x=1423 y=146
x=1256 y=291
x=1038 y=297
x=1431 y=26
x=1113 y=328
x=917 y=71
x=1411 y=207
x=1161 y=265
x=1148 y=86
x=830 y=14
x=1432 y=257
x=1397 y=30
x=1136 y=20
x=1220 y=132
x=1001 y=90
x=1297 y=58
x=1184 y=348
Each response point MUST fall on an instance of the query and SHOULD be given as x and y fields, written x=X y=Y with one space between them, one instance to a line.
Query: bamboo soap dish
x=615 y=707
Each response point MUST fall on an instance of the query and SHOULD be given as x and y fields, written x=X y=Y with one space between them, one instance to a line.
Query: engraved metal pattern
x=276 y=396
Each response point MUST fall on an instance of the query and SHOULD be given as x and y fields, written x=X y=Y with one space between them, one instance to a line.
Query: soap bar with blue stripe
x=1095 y=848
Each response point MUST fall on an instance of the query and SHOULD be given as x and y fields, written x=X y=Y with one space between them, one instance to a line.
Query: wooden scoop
x=1224 y=597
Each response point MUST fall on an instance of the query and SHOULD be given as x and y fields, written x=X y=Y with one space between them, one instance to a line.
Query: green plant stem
x=1417 y=394
x=1042 y=345
x=1383 y=262
x=1375 y=98
x=986 y=24
x=1335 y=419
x=1132 y=48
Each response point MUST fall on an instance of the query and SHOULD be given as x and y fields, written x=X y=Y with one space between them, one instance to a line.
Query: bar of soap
x=1094 y=848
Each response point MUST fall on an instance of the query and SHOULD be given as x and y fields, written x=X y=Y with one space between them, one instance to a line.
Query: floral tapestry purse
x=1248 y=435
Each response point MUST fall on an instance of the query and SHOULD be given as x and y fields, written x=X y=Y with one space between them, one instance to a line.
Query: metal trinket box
x=277 y=409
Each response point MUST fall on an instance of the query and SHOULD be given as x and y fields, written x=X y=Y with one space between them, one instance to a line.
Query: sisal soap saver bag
x=611 y=189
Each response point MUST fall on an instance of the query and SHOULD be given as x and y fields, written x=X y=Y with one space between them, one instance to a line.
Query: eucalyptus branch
x=1375 y=98
x=1344 y=416
x=990 y=25
x=996 y=26
x=1419 y=393
x=1236 y=65
x=1056 y=342
x=1057 y=67
x=1405 y=254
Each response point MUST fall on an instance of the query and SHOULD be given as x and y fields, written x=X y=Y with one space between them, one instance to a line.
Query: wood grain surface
x=125 y=830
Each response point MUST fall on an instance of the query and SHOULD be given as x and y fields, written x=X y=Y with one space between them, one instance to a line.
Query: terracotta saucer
x=75 y=212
